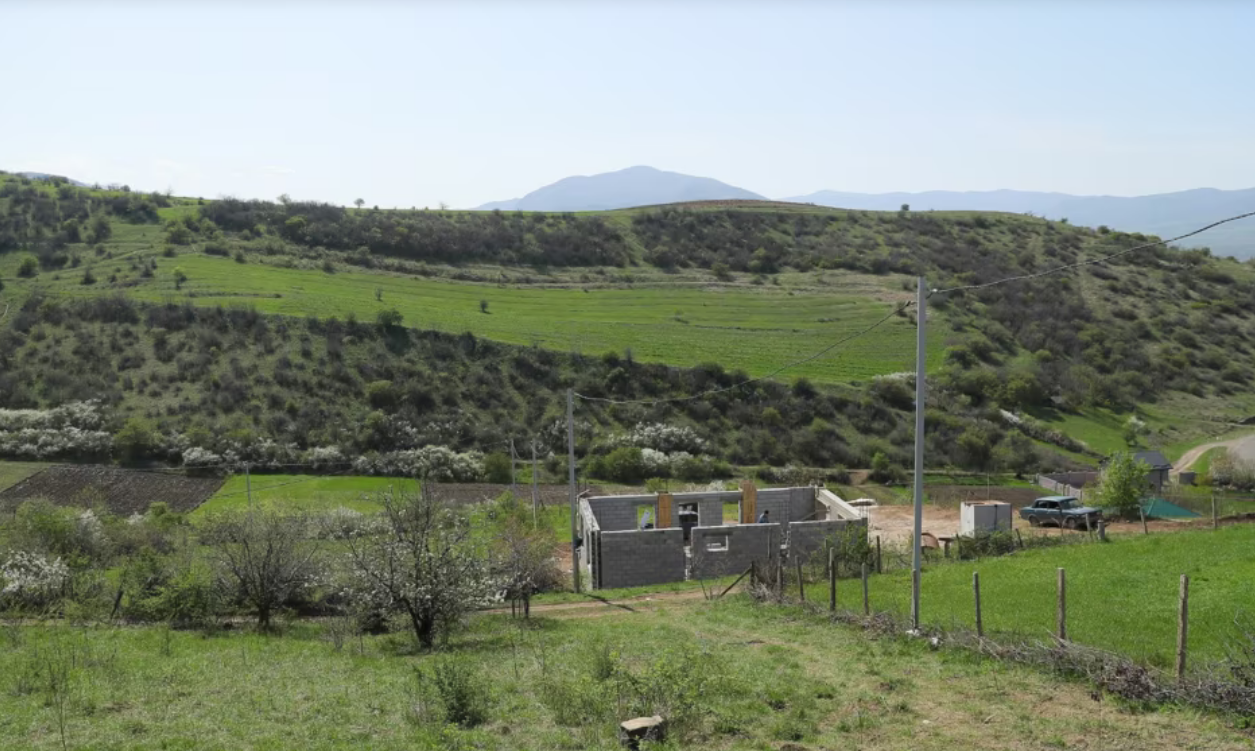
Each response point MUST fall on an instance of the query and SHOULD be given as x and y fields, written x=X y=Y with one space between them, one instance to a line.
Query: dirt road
x=1243 y=446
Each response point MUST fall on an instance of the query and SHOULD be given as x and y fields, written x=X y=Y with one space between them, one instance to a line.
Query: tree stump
x=632 y=732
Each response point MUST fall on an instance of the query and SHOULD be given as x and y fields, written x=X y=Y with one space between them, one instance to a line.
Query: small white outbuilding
x=977 y=517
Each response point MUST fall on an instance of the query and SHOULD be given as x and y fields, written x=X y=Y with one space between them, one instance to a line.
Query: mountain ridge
x=621 y=189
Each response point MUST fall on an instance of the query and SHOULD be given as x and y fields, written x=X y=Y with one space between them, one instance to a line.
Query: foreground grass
x=1121 y=596
x=751 y=330
x=739 y=676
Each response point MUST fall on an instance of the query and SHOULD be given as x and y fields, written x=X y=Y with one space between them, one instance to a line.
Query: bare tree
x=524 y=557
x=265 y=555
x=422 y=560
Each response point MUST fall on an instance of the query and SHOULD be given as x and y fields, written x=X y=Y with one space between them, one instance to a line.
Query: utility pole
x=514 y=488
x=919 y=450
x=535 y=488
x=570 y=448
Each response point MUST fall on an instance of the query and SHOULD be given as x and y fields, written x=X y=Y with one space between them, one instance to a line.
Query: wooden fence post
x=1142 y=513
x=1183 y=625
x=832 y=581
x=1062 y=615
x=1102 y=530
x=867 y=603
x=801 y=590
x=980 y=628
x=1215 y=520
x=879 y=561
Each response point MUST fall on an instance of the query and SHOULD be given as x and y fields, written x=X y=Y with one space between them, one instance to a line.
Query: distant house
x=1159 y=468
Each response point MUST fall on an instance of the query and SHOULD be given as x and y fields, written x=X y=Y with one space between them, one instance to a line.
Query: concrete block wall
x=779 y=502
x=745 y=543
x=807 y=537
x=619 y=512
x=634 y=558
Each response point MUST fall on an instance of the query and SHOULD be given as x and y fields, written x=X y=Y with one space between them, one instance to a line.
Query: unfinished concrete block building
x=636 y=540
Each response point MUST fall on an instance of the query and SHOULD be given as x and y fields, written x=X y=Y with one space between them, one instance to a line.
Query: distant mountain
x=46 y=176
x=634 y=186
x=1165 y=214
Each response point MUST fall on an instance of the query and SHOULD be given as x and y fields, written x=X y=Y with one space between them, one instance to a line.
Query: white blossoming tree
x=422 y=560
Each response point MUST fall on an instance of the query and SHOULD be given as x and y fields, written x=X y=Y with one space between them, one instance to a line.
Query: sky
x=422 y=103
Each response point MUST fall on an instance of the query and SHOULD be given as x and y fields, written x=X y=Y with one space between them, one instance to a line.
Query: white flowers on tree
x=32 y=580
x=422 y=561
x=661 y=437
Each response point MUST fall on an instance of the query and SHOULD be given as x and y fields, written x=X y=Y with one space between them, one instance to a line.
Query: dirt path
x=593 y=604
x=1243 y=446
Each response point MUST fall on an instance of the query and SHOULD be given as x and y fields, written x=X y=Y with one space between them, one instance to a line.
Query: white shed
x=984 y=516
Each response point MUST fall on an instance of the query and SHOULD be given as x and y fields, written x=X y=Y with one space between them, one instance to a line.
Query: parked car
x=1062 y=511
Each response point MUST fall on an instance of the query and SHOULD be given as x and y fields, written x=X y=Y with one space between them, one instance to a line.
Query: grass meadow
x=1121 y=595
x=729 y=674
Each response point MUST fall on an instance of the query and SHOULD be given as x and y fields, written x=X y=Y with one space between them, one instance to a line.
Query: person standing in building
x=762 y=518
x=645 y=522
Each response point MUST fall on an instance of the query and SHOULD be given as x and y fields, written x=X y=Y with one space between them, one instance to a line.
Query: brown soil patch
x=121 y=491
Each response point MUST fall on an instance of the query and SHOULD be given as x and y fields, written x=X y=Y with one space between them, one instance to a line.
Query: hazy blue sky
x=417 y=103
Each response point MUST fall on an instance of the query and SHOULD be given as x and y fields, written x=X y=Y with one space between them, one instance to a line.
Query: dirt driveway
x=895 y=523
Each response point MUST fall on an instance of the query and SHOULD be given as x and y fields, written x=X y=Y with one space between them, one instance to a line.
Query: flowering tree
x=422 y=560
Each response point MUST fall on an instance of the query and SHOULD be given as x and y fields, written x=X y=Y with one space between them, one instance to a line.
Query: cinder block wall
x=780 y=502
x=807 y=537
x=634 y=558
x=618 y=512
x=746 y=543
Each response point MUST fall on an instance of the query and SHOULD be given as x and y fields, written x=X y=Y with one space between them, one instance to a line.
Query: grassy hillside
x=1160 y=333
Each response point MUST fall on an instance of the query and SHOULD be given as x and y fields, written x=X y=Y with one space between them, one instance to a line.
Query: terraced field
x=749 y=329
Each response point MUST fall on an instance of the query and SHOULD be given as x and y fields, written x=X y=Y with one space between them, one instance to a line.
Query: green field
x=755 y=330
x=729 y=675
x=12 y=473
x=1122 y=596
x=303 y=493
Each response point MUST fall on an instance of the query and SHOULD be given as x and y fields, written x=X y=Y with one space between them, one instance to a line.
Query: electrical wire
x=1057 y=269
x=748 y=381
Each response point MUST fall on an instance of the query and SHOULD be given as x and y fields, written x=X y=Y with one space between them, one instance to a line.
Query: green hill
x=292 y=293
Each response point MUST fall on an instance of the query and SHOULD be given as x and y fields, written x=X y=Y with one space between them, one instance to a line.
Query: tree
x=137 y=439
x=1122 y=485
x=422 y=561
x=906 y=207
x=266 y=556
x=28 y=267
x=483 y=306
x=180 y=276
x=523 y=553
x=378 y=291
x=359 y=203
x=497 y=468
x=389 y=318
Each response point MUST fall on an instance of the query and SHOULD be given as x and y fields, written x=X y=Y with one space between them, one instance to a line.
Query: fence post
x=1183 y=625
x=832 y=581
x=1102 y=530
x=1142 y=513
x=879 y=567
x=801 y=590
x=1215 y=520
x=980 y=628
x=1062 y=616
x=867 y=603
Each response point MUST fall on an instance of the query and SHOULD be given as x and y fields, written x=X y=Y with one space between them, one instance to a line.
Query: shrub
x=32 y=580
x=497 y=468
x=463 y=693
x=28 y=267
x=624 y=464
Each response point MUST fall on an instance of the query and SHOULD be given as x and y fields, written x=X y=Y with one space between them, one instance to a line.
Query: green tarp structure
x=1158 y=508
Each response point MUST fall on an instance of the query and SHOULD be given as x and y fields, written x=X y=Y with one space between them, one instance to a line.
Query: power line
x=748 y=381
x=1093 y=261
